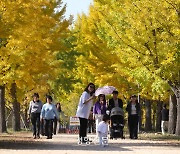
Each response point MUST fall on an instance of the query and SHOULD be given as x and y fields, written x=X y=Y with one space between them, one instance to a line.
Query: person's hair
x=49 y=97
x=104 y=98
x=115 y=92
x=133 y=96
x=90 y=84
x=105 y=118
x=36 y=95
x=58 y=108
x=164 y=105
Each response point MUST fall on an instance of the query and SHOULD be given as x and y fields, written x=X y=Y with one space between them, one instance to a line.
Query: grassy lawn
x=158 y=136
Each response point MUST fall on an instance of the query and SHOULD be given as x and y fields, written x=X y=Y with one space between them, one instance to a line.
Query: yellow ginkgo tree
x=31 y=37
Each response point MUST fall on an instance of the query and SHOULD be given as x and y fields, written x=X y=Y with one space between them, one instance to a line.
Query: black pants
x=48 y=127
x=35 y=119
x=42 y=129
x=55 y=126
x=83 y=128
x=133 y=126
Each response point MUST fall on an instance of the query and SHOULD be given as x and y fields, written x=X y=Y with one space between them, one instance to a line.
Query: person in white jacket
x=83 y=110
x=102 y=130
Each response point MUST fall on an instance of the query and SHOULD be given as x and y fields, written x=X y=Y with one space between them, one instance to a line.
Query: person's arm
x=42 y=113
x=85 y=97
x=90 y=98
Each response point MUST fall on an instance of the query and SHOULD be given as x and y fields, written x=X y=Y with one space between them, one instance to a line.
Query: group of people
x=44 y=117
x=100 y=115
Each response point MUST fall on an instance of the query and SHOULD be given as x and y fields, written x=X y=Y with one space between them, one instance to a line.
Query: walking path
x=67 y=144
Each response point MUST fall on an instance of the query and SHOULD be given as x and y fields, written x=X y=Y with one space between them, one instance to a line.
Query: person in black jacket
x=115 y=101
x=165 y=119
x=133 y=109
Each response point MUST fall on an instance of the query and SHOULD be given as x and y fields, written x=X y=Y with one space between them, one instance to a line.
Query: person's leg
x=58 y=126
x=100 y=137
x=97 y=122
x=38 y=124
x=135 y=131
x=81 y=129
x=93 y=126
x=50 y=128
x=130 y=125
x=46 y=125
x=33 y=120
x=55 y=126
x=162 y=127
x=42 y=127
x=85 y=124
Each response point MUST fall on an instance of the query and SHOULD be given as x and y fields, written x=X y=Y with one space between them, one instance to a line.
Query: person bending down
x=102 y=130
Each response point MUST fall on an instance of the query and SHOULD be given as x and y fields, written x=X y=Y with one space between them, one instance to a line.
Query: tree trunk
x=158 y=116
x=148 y=122
x=26 y=113
x=172 y=114
x=177 y=93
x=140 y=113
x=2 y=110
x=16 y=109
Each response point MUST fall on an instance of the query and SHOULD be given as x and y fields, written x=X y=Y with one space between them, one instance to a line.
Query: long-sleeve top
x=35 y=107
x=165 y=114
x=112 y=103
x=49 y=111
x=99 y=108
x=129 y=108
x=84 y=109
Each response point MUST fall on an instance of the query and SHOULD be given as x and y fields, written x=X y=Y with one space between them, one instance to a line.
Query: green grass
x=158 y=136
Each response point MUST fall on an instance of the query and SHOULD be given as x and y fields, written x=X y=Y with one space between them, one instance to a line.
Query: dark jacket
x=165 y=114
x=128 y=108
x=112 y=104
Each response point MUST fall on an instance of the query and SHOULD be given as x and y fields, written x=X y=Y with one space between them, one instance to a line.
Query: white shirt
x=84 y=109
x=133 y=109
x=102 y=127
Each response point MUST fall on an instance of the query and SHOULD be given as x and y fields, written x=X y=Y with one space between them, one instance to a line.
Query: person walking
x=83 y=110
x=115 y=101
x=99 y=109
x=56 y=121
x=165 y=119
x=34 y=111
x=47 y=114
x=133 y=109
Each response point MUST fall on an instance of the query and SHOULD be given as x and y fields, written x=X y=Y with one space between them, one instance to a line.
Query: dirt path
x=67 y=144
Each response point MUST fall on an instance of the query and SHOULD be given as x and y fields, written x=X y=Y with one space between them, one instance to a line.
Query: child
x=102 y=130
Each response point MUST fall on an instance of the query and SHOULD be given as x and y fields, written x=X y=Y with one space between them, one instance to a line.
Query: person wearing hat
x=115 y=101
x=34 y=113
x=133 y=109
